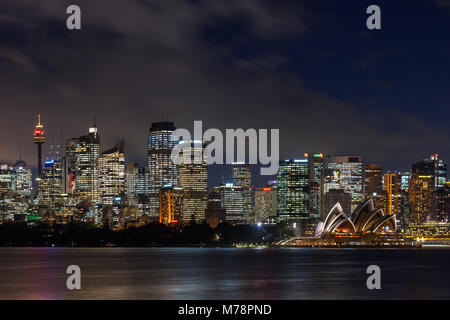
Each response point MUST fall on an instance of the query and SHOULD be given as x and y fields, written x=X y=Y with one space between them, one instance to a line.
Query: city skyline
x=217 y=173
x=305 y=68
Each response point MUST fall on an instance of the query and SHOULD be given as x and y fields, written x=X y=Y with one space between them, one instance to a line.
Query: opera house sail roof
x=364 y=219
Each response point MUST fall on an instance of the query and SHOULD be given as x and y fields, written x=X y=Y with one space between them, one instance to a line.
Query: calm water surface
x=209 y=273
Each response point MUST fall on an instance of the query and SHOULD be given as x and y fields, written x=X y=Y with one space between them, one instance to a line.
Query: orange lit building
x=170 y=204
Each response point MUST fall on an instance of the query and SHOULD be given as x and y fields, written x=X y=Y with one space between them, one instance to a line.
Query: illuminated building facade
x=242 y=177
x=162 y=171
x=316 y=183
x=393 y=196
x=373 y=178
x=142 y=183
x=265 y=203
x=23 y=178
x=232 y=201
x=293 y=189
x=431 y=231
x=51 y=186
x=426 y=190
x=392 y=188
x=6 y=177
x=439 y=170
x=350 y=176
x=331 y=180
x=405 y=176
x=441 y=210
x=132 y=180
x=193 y=178
x=111 y=165
x=82 y=156
x=421 y=187
x=170 y=204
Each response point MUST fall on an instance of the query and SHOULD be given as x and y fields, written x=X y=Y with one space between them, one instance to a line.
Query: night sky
x=310 y=68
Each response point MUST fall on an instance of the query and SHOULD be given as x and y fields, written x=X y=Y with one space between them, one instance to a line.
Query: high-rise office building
x=132 y=181
x=242 y=177
x=232 y=201
x=421 y=189
x=51 y=183
x=373 y=180
x=23 y=178
x=441 y=209
x=6 y=177
x=425 y=190
x=333 y=196
x=162 y=171
x=82 y=166
x=316 y=183
x=393 y=193
x=170 y=204
x=111 y=166
x=293 y=189
x=394 y=199
x=331 y=180
x=142 y=183
x=405 y=176
x=439 y=171
x=350 y=179
x=193 y=178
x=265 y=203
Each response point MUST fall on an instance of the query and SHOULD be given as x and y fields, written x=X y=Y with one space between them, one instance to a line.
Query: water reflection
x=212 y=273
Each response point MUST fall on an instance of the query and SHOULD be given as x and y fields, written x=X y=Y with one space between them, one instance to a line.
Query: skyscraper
x=425 y=193
x=82 y=165
x=232 y=201
x=23 y=179
x=439 y=171
x=333 y=196
x=350 y=168
x=392 y=187
x=193 y=178
x=132 y=180
x=242 y=177
x=162 y=171
x=421 y=188
x=111 y=165
x=51 y=184
x=265 y=203
x=316 y=181
x=373 y=178
x=293 y=189
x=39 y=140
x=6 y=177
x=170 y=204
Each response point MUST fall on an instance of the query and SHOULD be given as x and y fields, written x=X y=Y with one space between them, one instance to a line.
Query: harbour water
x=224 y=273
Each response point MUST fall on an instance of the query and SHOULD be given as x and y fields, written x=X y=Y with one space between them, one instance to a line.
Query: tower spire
x=39 y=140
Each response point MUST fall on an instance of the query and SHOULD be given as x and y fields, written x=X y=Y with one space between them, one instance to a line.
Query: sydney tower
x=39 y=139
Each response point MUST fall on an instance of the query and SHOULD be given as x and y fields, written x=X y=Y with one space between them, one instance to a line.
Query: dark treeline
x=153 y=234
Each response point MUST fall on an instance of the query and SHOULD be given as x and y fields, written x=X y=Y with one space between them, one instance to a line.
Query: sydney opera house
x=366 y=226
x=365 y=219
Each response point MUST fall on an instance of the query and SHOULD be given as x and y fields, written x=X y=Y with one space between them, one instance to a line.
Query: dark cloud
x=135 y=62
